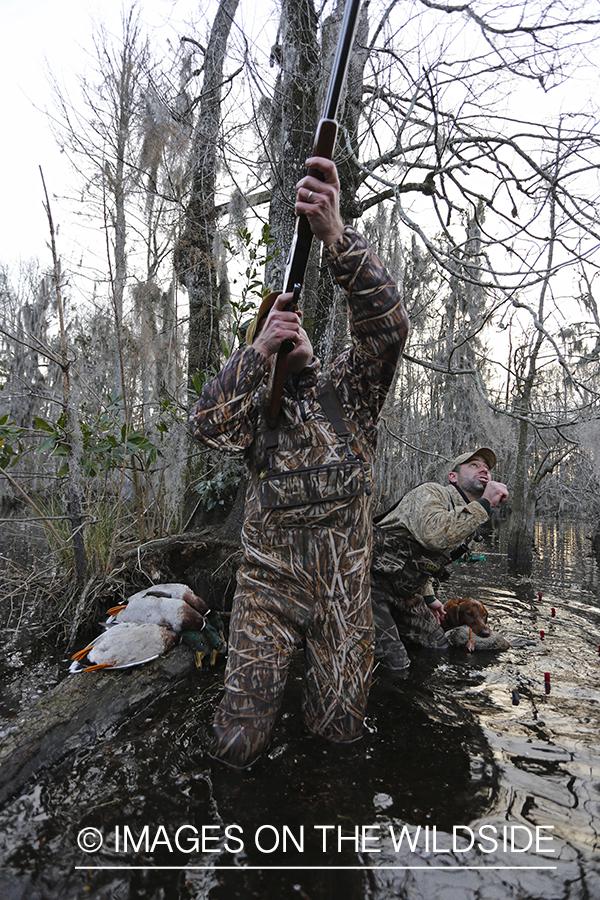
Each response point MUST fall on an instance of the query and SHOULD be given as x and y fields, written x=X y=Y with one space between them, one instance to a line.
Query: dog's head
x=465 y=611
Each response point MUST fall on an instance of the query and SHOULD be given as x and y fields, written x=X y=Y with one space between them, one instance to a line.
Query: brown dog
x=464 y=611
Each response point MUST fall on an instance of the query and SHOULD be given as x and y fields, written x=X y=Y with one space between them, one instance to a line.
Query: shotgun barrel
x=324 y=145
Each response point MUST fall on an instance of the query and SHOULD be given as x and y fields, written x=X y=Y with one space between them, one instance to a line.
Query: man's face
x=472 y=477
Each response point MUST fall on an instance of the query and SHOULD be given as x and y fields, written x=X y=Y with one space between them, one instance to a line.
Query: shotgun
x=323 y=145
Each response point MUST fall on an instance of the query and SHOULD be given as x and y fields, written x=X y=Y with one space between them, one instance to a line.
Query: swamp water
x=450 y=784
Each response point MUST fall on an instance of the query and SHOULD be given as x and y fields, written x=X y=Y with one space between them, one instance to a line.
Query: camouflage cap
x=488 y=455
x=263 y=311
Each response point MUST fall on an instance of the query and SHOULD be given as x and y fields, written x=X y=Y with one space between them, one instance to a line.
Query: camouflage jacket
x=415 y=540
x=228 y=415
x=318 y=471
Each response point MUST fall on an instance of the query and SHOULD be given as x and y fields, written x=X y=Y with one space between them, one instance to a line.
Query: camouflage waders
x=305 y=578
x=396 y=621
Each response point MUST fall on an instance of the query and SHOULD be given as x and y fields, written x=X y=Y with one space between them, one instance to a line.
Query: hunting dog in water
x=465 y=611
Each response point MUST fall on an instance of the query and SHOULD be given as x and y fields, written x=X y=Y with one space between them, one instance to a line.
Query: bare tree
x=481 y=207
x=101 y=135
x=440 y=138
x=195 y=258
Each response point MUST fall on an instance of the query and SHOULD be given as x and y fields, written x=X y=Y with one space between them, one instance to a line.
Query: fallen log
x=81 y=710
x=88 y=707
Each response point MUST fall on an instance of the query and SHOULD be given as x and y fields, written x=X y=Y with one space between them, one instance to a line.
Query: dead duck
x=464 y=636
x=168 y=612
x=174 y=610
x=174 y=591
x=177 y=607
x=208 y=643
x=126 y=644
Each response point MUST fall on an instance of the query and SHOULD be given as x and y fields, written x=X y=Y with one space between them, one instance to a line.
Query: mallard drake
x=172 y=610
x=209 y=642
x=126 y=644
x=176 y=592
x=177 y=607
x=169 y=612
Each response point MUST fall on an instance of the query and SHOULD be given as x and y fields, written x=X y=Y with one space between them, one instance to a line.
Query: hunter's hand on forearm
x=495 y=492
x=319 y=201
x=280 y=326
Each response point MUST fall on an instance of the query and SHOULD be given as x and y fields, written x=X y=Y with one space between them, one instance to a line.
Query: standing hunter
x=307 y=534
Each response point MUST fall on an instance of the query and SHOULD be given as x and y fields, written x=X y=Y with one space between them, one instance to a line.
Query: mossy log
x=88 y=707
x=81 y=710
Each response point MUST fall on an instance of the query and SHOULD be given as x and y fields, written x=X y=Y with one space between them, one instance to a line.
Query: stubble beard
x=475 y=487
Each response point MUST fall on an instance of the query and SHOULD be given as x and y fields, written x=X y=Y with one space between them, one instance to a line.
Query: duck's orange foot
x=81 y=653
x=98 y=666
x=116 y=609
x=471 y=642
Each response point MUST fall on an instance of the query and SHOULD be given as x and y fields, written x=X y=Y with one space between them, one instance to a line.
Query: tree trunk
x=293 y=124
x=596 y=540
x=195 y=261
x=117 y=178
x=324 y=305
x=300 y=94
x=522 y=514
x=522 y=518
x=72 y=431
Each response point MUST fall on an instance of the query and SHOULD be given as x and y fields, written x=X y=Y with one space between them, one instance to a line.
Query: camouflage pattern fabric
x=403 y=567
x=389 y=649
x=307 y=533
x=395 y=622
x=414 y=544
x=319 y=595
x=436 y=516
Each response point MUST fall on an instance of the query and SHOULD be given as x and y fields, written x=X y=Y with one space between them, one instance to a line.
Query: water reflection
x=564 y=560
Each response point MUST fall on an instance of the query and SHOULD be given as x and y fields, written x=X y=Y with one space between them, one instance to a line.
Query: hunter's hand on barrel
x=319 y=200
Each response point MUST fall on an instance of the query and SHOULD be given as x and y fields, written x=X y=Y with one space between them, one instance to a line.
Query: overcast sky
x=35 y=35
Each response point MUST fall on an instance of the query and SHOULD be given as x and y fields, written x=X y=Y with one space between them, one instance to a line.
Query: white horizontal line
x=313 y=868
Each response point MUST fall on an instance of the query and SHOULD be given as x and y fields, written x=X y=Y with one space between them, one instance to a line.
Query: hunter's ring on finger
x=310 y=193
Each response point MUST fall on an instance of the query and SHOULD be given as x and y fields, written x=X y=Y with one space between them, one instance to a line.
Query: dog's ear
x=451 y=618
